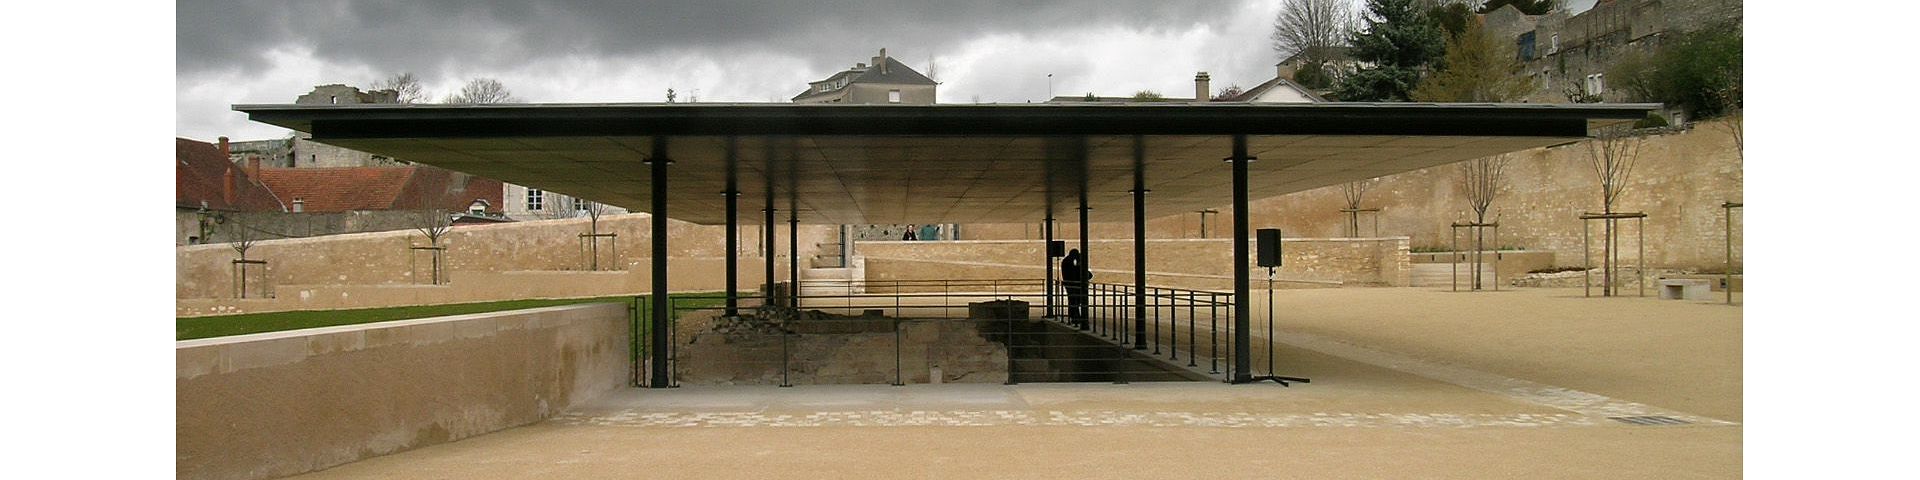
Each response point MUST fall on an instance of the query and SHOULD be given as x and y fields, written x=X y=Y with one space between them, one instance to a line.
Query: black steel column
x=1085 y=255
x=657 y=163
x=733 y=232
x=770 y=253
x=1242 y=340
x=1046 y=253
x=1139 y=243
x=793 y=255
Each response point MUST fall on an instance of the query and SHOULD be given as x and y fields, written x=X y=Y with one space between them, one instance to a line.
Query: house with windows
x=524 y=203
x=1569 y=50
x=886 y=80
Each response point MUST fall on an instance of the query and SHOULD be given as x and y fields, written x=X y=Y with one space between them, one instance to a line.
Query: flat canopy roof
x=856 y=164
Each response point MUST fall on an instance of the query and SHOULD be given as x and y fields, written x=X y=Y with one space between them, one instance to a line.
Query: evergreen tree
x=1478 y=68
x=1396 y=45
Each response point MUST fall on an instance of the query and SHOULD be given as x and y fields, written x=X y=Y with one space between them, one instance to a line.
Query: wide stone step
x=1443 y=274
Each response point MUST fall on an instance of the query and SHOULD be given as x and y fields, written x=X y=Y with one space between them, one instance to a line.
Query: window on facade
x=579 y=205
x=1596 y=84
x=536 y=200
x=1555 y=45
x=893 y=96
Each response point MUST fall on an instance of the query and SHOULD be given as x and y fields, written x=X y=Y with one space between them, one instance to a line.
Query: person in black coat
x=1076 y=276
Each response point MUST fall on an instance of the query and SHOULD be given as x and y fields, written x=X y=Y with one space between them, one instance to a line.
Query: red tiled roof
x=327 y=190
x=200 y=179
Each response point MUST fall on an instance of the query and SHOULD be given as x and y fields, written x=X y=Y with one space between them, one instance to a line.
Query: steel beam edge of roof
x=1043 y=119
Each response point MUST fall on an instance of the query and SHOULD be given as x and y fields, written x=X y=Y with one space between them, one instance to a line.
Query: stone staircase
x=1441 y=275
x=826 y=281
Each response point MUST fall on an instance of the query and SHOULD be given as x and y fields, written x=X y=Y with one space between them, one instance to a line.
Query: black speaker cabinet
x=1057 y=248
x=1269 y=247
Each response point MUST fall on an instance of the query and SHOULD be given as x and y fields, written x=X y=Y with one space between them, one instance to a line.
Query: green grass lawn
x=188 y=328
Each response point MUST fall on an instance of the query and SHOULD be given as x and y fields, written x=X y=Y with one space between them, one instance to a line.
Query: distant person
x=910 y=235
x=1075 y=274
x=930 y=231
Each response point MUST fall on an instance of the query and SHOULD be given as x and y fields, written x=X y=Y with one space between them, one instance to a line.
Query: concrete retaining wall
x=276 y=404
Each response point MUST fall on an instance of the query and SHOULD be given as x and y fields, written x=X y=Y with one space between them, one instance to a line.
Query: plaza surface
x=1407 y=382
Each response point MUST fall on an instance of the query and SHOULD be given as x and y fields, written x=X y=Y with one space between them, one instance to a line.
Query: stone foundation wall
x=276 y=404
x=1186 y=263
x=853 y=352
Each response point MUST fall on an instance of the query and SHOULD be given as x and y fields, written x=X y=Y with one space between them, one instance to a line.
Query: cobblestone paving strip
x=986 y=418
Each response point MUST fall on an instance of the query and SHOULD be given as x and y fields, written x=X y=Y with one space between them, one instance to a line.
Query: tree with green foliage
x=1452 y=16
x=1394 y=47
x=1694 y=70
x=1147 y=96
x=1478 y=68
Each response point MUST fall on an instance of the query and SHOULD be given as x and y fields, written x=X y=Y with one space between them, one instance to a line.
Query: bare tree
x=1354 y=192
x=593 y=211
x=482 y=90
x=1612 y=154
x=243 y=239
x=1736 y=122
x=1482 y=179
x=405 y=84
x=1312 y=29
x=433 y=221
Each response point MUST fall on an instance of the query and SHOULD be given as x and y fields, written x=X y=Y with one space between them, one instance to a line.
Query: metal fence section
x=941 y=331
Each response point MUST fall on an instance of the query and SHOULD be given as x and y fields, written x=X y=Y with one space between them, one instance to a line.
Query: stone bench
x=1685 y=288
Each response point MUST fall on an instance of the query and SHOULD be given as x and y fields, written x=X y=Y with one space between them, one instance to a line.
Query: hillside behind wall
x=1679 y=181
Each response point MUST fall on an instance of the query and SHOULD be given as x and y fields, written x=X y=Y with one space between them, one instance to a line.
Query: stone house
x=885 y=81
x=1568 y=54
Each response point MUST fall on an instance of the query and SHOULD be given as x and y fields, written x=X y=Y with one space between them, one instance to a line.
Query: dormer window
x=479 y=207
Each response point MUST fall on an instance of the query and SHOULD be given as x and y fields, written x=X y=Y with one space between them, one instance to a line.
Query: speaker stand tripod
x=1284 y=381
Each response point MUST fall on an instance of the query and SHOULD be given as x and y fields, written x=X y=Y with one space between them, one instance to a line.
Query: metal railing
x=1108 y=341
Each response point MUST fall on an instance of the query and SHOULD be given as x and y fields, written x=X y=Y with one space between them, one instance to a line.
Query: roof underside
x=858 y=164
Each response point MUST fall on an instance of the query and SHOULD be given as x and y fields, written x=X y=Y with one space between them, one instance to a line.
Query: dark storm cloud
x=423 y=36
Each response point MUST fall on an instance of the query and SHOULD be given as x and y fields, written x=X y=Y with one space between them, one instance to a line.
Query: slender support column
x=1242 y=339
x=733 y=234
x=793 y=254
x=657 y=163
x=770 y=253
x=1139 y=243
x=1086 y=254
x=1046 y=255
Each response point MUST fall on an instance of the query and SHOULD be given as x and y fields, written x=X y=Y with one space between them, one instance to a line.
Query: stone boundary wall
x=384 y=258
x=276 y=404
x=1681 y=178
x=684 y=274
x=1186 y=263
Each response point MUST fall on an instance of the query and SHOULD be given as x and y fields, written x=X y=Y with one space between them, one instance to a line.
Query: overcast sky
x=233 y=51
x=724 y=50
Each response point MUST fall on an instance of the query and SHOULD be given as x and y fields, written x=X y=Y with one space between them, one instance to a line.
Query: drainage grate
x=1647 y=420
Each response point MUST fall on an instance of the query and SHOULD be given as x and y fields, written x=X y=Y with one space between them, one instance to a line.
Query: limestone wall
x=1680 y=181
x=1188 y=263
x=383 y=258
x=276 y=404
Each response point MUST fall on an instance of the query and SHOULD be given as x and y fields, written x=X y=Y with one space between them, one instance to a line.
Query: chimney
x=881 y=61
x=226 y=150
x=1201 y=92
x=1280 y=70
x=253 y=167
x=228 y=190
